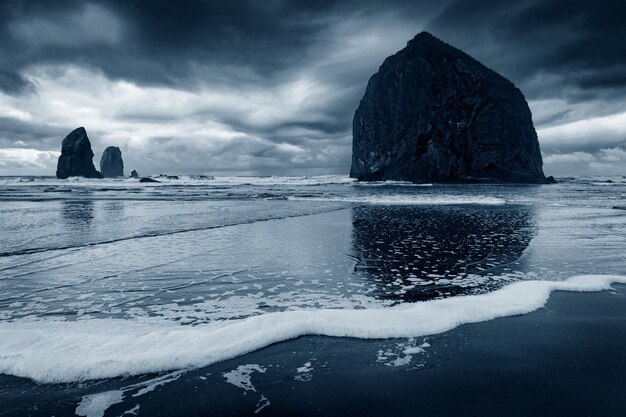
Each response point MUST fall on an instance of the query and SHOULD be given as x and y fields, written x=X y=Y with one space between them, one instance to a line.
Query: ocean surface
x=113 y=289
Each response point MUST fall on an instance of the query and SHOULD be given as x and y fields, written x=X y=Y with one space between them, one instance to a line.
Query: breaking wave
x=64 y=351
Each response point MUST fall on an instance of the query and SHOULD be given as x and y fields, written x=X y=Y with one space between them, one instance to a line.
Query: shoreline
x=567 y=358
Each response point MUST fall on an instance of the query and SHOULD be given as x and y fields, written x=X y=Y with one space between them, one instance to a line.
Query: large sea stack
x=432 y=113
x=111 y=163
x=76 y=158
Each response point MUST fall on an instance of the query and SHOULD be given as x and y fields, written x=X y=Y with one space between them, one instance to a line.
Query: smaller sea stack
x=111 y=163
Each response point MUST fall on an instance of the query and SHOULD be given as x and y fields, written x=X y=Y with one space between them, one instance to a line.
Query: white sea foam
x=79 y=182
x=280 y=180
x=407 y=199
x=242 y=376
x=402 y=353
x=96 y=404
x=304 y=373
x=56 y=351
x=391 y=182
x=261 y=404
x=305 y=368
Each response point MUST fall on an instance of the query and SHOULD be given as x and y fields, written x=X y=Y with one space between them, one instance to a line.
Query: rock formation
x=111 y=163
x=76 y=158
x=434 y=114
x=134 y=174
x=148 y=179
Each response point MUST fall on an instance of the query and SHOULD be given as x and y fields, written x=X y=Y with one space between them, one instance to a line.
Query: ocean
x=119 y=297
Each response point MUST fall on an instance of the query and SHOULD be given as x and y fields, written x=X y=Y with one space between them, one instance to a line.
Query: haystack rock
x=434 y=114
x=76 y=158
x=111 y=163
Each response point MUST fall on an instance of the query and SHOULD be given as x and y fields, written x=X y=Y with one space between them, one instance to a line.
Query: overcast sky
x=269 y=87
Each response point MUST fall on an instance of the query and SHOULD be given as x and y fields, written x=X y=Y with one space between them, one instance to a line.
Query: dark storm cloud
x=578 y=45
x=249 y=48
x=265 y=86
x=166 y=42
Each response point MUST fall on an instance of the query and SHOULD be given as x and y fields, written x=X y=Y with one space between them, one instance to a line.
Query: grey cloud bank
x=271 y=87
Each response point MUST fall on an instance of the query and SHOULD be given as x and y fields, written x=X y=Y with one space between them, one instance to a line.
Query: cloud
x=568 y=158
x=209 y=130
x=27 y=161
x=605 y=162
x=212 y=90
x=271 y=87
x=576 y=46
x=91 y=24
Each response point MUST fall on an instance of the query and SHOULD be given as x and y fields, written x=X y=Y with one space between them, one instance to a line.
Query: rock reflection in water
x=415 y=253
x=78 y=213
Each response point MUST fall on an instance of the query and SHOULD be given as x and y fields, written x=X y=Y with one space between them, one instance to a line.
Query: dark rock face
x=434 y=114
x=76 y=158
x=134 y=174
x=111 y=163
x=147 y=179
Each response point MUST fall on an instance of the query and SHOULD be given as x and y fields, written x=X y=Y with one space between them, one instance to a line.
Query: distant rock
x=169 y=177
x=134 y=174
x=434 y=114
x=146 y=179
x=76 y=158
x=111 y=163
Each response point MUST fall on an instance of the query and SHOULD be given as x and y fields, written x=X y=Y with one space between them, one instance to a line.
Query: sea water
x=116 y=278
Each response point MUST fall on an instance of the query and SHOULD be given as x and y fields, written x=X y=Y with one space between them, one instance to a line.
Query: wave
x=179 y=180
x=406 y=199
x=63 y=351
x=392 y=183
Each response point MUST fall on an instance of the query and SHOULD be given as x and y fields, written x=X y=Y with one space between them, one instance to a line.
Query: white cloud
x=574 y=157
x=596 y=131
x=8 y=110
x=17 y=161
x=607 y=161
x=164 y=129
x=613 y=155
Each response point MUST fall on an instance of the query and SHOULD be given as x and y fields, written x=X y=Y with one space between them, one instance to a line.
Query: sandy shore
x=568 y=359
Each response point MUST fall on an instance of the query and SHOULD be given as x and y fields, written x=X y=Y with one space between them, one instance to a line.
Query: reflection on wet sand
x=418 y=253
x=78 y=213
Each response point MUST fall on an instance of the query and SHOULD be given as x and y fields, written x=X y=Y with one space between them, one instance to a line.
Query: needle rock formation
x=111 y=163
x=76 y=158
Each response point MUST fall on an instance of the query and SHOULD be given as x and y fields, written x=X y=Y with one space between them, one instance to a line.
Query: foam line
x=64 y=351
x=408 y=199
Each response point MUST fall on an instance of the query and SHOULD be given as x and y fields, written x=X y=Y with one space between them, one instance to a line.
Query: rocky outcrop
x=76 y=158
x=134 y=174
x=434 y=114
x=111 y=163
x=148 y=179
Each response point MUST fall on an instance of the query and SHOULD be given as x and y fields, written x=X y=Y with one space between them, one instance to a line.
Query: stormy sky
x=270 y=87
